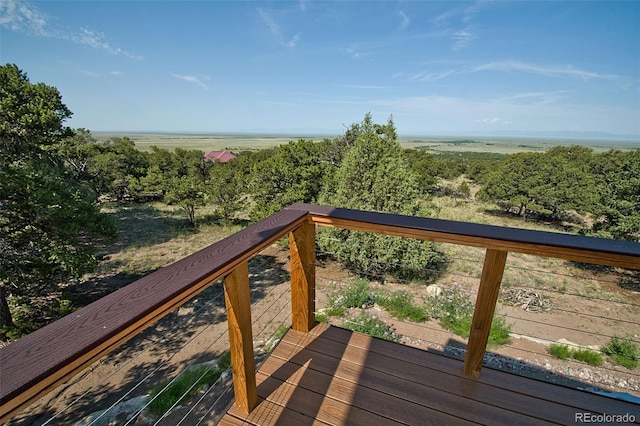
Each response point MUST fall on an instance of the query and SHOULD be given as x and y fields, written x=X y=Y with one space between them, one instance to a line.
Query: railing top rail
x=37 y=362
x=542 y=243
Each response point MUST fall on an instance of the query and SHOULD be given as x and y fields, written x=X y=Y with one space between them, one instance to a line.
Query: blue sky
x=483 y=67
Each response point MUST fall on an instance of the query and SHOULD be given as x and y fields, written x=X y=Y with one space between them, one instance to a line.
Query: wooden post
x=238 y=303
x=302 y=245
x=492 y=270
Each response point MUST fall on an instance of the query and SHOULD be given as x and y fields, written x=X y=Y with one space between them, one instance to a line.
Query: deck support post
x=302 y=246
x=238 y=303
x=492 y=271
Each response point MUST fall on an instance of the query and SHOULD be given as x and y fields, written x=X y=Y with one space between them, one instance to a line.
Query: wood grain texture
x=37 y=363
x=238 y=302
x=488 y=291
x=600 y=251
x=302 y=246
x=341 y=377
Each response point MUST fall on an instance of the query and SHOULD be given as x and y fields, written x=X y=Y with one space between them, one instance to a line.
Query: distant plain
x=237 y=142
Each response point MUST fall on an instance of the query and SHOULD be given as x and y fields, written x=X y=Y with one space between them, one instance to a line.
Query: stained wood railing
x=35 y=364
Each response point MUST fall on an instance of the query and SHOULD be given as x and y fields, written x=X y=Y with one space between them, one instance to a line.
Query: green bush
x=358 y=295
x=454 y=309
x=623 y=351
x=560 y=351
x=353 y=296
x=165 y=395
x=588 y=356
x=371 y=325
x=400 y=305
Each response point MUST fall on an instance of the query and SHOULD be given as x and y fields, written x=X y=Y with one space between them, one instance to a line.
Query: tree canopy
x=48 y=219
x=374 y=175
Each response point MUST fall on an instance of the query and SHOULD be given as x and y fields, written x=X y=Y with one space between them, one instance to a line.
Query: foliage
x=374 y=176
x=31 y=116
x=226 y=189
x=623 y=351
x=357 y=295
x=371 y=325
x=116 y=166
x=454 y=309
x=560 y=351
x=277 y=336
x=49 y=221
x=294 y=172
x=588 y=356
x=400 y=304
x=168 y=394
x=545 y=184
x=618 y=209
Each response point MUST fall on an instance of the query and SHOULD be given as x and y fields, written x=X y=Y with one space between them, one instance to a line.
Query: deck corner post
x=302 y=246
x=238 y=304
x=488 y=291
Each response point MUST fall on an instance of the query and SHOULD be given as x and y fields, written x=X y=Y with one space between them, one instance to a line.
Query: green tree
x=295 y=172
x=618 y=208
x=117 y=164
x=545 y=184
x=48 y=220
x=226 y=189
x=375 y=176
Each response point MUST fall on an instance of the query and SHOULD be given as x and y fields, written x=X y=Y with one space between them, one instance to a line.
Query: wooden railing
x=35 y=364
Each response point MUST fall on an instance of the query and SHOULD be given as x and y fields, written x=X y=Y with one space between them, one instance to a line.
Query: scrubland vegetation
x=63 y=194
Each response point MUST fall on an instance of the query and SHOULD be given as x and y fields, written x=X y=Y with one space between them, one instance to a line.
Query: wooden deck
x=336 y=377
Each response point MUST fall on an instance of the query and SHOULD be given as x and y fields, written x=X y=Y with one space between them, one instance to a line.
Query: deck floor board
x=332 y=376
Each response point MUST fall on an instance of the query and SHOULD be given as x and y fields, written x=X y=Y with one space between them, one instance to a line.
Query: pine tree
x=374 y=176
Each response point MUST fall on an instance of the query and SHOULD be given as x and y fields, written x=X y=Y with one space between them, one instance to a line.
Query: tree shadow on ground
x=158 y=354
x=143 y=225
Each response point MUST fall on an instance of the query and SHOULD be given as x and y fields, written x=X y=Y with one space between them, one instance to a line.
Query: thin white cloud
x=356 y=53
x=512 y=66
x=404 y=24
x=462 y=38
x=275 y=30
x=270 y=23
x=547 y=70
x=431 y=76
x=294 y=40
x=493 y=120
x=459 y=23
x=366 y=87
x=115 y=73
x=302 y=4
x=23 y=17
x=97 y=40
x=193 y=79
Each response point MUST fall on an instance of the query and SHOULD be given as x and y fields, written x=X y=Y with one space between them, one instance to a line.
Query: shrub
x=560 y=351
x=454 y=309
x=165 y=395
x=623 y=351
x=588 y=356
x=371 y=325
x=374 y=175
x=400 y=305
x=353 y=296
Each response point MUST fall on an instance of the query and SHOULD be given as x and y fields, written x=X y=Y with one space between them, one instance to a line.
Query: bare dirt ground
x=196 y=333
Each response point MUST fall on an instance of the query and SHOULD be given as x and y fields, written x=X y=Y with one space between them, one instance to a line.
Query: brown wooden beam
x=601 y=251
x=238 y=302
x=492 y=271
x=302 y=245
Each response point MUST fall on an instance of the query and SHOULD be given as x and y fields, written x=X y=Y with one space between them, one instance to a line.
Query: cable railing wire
x=123 y=366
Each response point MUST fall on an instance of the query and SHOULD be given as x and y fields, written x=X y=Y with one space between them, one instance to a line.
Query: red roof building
x=221 y=156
